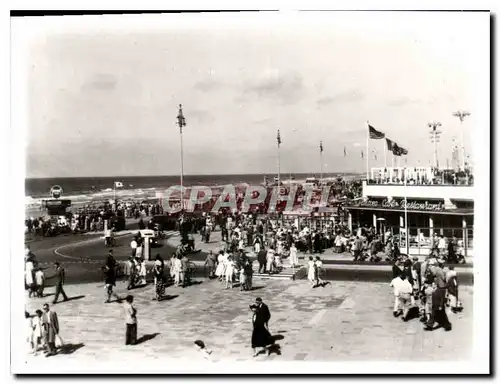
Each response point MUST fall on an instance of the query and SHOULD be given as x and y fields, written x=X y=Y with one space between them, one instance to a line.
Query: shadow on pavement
x=194 y=283
x=275 y=338
x=145 y=338
x=413 y=313
x=75 y=298
x=168 y=297
x=68 y=349
x=257 y=288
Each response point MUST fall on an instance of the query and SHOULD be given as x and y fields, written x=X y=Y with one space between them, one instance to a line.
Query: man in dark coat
x=452 y=255
x=109 y=270
x=59 y=276
x=51 y=327
x=438 y=311
x=262 y=259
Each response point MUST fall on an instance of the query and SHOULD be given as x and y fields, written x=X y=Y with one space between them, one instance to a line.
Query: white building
x=438 y=202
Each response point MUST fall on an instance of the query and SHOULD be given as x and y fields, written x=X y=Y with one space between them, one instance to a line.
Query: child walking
x=40 y=282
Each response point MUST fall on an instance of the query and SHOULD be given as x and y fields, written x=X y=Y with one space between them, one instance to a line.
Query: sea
x=86 y=190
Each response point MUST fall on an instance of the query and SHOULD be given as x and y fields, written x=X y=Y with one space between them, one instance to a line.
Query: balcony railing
x=412 y=182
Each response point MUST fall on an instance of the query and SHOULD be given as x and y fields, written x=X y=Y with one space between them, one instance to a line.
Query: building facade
x=432 y=207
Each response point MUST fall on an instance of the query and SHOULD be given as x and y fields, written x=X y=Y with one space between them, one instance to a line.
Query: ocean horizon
x=37 y=187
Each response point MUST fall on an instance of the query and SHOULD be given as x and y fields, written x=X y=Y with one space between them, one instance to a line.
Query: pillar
x=464 y=235
x=146 y=248
x=431 y=226
x=349 y=221
x=375 y=221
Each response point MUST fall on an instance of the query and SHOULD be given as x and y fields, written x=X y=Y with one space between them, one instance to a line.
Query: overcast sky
x=103 y=97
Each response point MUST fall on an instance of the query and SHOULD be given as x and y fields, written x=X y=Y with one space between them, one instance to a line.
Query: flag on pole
x=374 y=134
x=345 y=151
x=118 y=184
x=321 y=146
x=181 y=120
x=390 y=144
x=278 y=138
x=398 y=151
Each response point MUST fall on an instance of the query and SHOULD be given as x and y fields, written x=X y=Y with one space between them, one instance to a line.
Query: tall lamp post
x=462 y=115
x=435 y=134
x=278 y=140
x=181 y=122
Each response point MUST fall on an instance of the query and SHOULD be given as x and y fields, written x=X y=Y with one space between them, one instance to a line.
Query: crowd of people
x=425 y=287
x=43 y=331
x=434 y=177
x=35 y=278
x=430 y=283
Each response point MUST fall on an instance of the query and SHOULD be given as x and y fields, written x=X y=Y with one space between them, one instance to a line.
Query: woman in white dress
x=29 y=330
x=142 y=272
x=30 y=283
x=338 y=244
x=225 y=260
x=230 y=269
x=38 y=334
x=172 y=266
x=270 y=260
x=177 y=271
x=294 y=259
x=219 y=271
x=311 y=272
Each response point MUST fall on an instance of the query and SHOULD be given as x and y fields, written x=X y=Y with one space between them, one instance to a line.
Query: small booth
x=147 y=236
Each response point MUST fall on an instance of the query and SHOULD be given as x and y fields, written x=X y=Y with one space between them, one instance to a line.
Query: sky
x=103 y=94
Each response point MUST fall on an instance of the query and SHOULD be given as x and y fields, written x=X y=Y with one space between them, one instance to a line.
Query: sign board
x=56 y=207
x=147 y=233
x=412 y=205
x=57 y=203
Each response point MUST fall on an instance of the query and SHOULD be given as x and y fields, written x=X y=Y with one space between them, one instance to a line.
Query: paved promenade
x=342 y=321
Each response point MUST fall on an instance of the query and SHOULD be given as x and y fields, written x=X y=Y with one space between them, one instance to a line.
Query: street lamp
x=181 y=122
x=462 y=115
x=435 y=134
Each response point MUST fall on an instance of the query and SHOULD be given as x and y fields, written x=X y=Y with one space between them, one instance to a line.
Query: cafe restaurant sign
x=412 y=205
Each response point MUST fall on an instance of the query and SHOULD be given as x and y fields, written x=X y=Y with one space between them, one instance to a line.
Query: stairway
x=287 y=273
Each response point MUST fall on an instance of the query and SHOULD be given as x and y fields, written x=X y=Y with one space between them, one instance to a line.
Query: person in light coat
x=270 y=261
x=294 y=259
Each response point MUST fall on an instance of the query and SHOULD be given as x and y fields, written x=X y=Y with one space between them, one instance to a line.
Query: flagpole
x=321 y=160
x=367 y=150
x=279 y=170
x=181 y=121
x=182 y=174
x=385 y=153
x=114 y=195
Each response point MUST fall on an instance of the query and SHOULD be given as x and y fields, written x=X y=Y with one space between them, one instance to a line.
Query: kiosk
x=147 y=235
